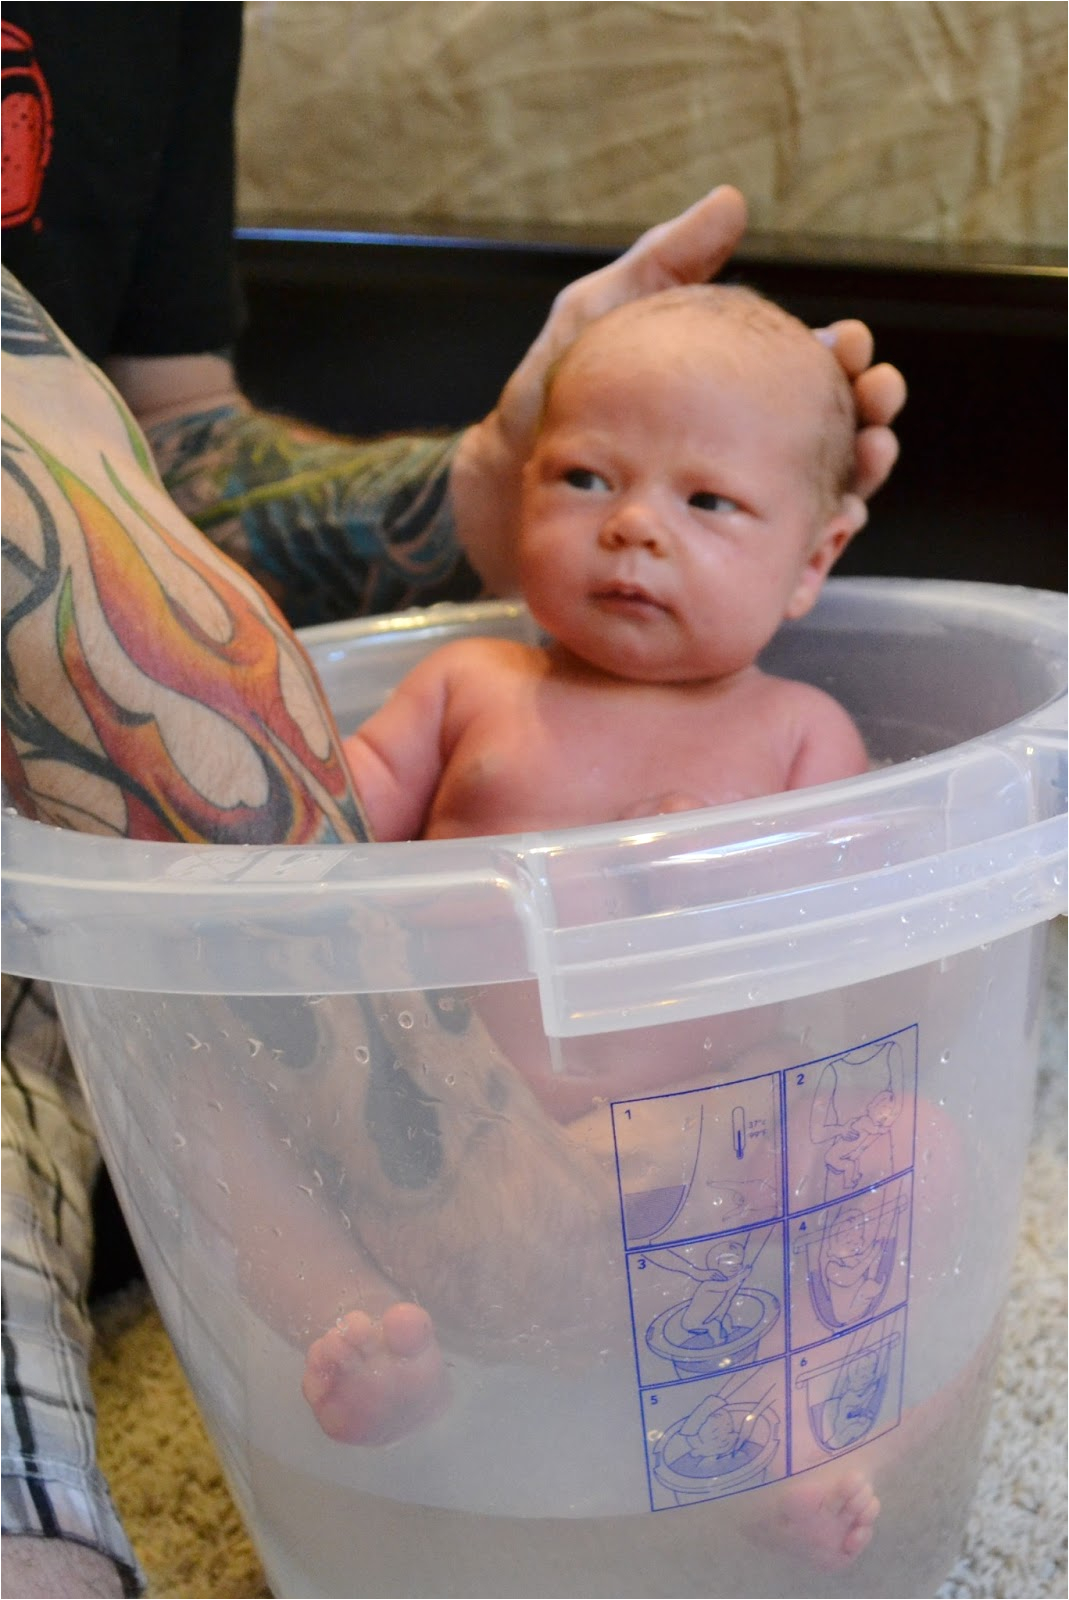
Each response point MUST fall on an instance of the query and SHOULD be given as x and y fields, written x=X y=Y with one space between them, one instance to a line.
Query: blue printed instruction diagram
x=767 y=1231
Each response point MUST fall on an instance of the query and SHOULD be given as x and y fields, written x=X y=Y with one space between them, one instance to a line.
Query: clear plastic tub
x=700 y=1138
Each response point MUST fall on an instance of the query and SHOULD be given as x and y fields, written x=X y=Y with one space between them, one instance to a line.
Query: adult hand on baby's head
x=486 y=472
x=690 y=248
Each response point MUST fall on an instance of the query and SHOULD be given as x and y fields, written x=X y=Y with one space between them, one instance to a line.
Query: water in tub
x=625 y=1473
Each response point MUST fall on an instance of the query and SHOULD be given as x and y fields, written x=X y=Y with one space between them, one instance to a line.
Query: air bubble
x=362 y=1054
x=406 y=1019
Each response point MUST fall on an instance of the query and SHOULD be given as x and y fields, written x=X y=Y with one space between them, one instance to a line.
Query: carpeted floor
x=170 y=1491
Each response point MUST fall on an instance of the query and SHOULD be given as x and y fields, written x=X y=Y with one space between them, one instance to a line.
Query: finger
x=851 y=342
x=688 y=249
x=691 y=248
x=879 y=394
x=876 y=452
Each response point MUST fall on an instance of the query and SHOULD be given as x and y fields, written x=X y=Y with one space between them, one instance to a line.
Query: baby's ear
x=848 y=518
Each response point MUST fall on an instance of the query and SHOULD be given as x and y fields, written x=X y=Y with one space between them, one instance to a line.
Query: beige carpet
x=170 y=1491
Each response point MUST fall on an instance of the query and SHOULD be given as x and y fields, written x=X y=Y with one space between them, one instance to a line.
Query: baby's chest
x=555 y=762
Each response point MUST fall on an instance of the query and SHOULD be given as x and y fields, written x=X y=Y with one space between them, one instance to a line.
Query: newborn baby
x=688 y=491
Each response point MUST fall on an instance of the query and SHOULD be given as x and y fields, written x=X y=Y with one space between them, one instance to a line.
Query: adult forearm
x=330 y=527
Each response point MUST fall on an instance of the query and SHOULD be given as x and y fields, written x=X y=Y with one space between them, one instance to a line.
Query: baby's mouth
x=627 y=596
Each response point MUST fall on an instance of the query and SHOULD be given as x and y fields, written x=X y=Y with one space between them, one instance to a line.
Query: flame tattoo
x=212 y=723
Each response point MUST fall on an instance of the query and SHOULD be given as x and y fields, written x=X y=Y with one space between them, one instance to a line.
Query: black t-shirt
x=118 y=171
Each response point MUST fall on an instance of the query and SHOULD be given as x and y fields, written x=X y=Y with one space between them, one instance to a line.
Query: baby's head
x=752 y=341
x=694 y=465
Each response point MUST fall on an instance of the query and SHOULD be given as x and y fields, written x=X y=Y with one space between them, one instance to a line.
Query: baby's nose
x=633 y=524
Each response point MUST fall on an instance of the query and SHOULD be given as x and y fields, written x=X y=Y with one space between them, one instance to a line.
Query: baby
x=688 y=491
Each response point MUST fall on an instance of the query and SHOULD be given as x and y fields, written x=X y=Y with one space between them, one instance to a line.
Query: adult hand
x=691 y=248
x=879 y=395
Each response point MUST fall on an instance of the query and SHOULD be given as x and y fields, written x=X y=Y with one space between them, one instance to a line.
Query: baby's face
x=670 y=515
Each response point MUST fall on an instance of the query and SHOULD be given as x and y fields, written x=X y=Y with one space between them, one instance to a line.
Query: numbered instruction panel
x=767 y=1229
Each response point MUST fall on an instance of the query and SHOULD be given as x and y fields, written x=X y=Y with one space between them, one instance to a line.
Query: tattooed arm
x=150 y=688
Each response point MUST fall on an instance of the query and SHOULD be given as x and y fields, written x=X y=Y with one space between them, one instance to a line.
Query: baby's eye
x=705 y=500
x=583 y=478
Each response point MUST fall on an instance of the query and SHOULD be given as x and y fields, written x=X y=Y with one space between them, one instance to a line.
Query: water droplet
x=195 y=1043
x=222 y=1184
x=303 y=1187
x=405 y=1019
x=179 y=1141
x=451 y=1079
x=362 y=1054
x=944 y=1058
x=255 y=1046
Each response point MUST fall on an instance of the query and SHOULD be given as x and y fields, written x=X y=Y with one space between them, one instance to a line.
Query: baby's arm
x=396 y=756
x=830 y=747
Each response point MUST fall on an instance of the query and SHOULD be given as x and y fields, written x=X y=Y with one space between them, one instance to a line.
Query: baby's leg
x=371 y=1382
x=377 y=1372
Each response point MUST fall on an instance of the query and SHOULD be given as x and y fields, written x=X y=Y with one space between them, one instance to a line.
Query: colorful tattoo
x=150 y=688
x=331 y=528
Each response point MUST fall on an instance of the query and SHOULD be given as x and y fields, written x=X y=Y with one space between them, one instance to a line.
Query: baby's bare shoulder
x=826 y=742
x=463 y=658
x=805 y=700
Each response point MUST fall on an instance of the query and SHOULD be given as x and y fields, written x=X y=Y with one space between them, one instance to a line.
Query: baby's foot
x=830 y=1522
x=372 y=1382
